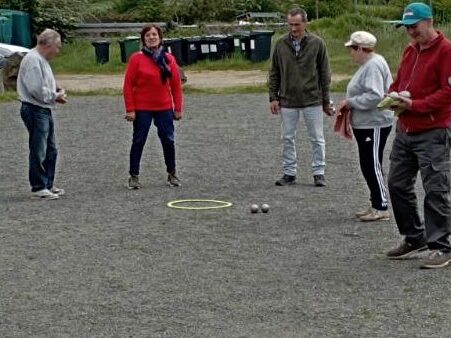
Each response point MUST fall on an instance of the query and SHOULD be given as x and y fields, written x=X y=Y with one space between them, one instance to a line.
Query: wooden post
x=317 y=9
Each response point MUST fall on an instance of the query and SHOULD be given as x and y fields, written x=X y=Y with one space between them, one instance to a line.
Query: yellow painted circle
x=217 y=204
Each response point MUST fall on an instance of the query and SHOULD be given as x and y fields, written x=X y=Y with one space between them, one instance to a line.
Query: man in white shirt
x=38 y=93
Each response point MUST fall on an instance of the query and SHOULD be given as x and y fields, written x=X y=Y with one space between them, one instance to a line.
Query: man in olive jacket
x=299 y=81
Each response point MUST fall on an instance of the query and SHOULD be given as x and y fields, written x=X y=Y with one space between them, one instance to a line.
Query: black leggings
x=371 y=143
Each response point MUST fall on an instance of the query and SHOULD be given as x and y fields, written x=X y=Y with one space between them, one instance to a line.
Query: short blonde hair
x=48 y=37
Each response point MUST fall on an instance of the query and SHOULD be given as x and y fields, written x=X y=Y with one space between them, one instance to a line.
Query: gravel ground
x=104 y=261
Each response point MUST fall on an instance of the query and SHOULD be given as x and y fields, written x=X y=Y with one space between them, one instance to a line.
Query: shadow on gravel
x=106 y=261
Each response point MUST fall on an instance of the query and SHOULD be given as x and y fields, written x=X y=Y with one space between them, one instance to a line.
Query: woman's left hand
x=130 y=116
x=178 y=115
x=343 y=106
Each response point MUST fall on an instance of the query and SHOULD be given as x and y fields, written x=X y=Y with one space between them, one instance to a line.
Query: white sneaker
x=57 y=191
x=376 y=215
x=44 y=194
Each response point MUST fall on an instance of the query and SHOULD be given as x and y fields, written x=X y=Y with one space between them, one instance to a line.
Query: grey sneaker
x=319 y=180
x=173 y=181
x=57 y=191
x=406 y=250
x=437 y=259
x=286 y=180
x=376 y=215
x=133 y=182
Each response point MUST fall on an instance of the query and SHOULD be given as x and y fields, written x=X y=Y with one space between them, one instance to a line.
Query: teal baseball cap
x=414 y=13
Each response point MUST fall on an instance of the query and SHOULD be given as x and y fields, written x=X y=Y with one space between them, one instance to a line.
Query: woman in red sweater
x=152 y=92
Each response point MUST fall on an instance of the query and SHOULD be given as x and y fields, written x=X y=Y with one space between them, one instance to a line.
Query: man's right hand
x=61 y=97
x=130 y=116
x=275 y=107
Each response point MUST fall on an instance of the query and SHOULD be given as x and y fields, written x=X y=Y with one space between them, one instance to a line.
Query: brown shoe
x=363 y=212
x=376 y=215
x=436 y=260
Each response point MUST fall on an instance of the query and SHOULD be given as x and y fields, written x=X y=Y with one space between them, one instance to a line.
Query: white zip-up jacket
x=365 y=90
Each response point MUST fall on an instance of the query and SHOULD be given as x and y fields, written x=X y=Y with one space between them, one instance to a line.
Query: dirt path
x=196 y=79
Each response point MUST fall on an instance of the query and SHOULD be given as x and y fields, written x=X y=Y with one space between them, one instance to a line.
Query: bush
x=383 y=12
x=342 y=26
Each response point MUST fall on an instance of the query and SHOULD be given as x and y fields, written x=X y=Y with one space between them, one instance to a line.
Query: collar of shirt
x=297 y=43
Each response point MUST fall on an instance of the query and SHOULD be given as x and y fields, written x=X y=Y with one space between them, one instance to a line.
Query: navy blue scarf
x=160 y=58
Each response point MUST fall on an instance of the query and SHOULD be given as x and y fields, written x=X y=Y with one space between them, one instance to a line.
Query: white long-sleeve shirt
x=35 y=81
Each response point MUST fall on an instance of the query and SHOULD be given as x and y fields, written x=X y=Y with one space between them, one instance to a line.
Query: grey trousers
x=429 y=153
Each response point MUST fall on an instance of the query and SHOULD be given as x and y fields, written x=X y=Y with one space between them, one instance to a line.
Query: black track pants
x=371 y=143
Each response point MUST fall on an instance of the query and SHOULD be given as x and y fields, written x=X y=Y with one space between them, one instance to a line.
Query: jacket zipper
x=414 y=67
x=410 y=79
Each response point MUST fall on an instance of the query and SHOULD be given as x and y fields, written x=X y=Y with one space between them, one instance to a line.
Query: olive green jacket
x=303 y=80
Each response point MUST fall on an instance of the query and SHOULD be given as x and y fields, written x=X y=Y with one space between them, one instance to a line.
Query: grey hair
x=298 y=11
x=48 y=37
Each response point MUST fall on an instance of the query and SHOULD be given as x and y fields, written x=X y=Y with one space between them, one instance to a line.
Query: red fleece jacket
x=143 y=89
x=426 y=74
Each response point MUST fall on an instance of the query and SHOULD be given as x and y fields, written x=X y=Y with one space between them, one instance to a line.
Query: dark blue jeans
x=43 y=152
x=164 y=121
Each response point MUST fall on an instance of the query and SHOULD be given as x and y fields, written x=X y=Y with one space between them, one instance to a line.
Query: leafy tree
x=60 y=15
x=195 y=11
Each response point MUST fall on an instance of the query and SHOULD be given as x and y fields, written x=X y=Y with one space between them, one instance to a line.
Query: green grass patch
x=103 y=92
x=384 y=12
x=227 y=90
x=234 y=62
x=78 y=57
x=8 y=96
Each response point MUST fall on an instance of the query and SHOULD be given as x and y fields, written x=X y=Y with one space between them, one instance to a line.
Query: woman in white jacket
x=370 y=126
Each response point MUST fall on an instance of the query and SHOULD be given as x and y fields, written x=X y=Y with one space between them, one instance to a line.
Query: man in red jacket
x=422 y=142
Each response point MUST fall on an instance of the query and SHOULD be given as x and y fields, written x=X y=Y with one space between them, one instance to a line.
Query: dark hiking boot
x=319 y=180
x=133 y=182
x=173 y=181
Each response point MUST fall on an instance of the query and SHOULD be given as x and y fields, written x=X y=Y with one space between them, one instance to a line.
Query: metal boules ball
x=254 y=208
x=265 y=208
